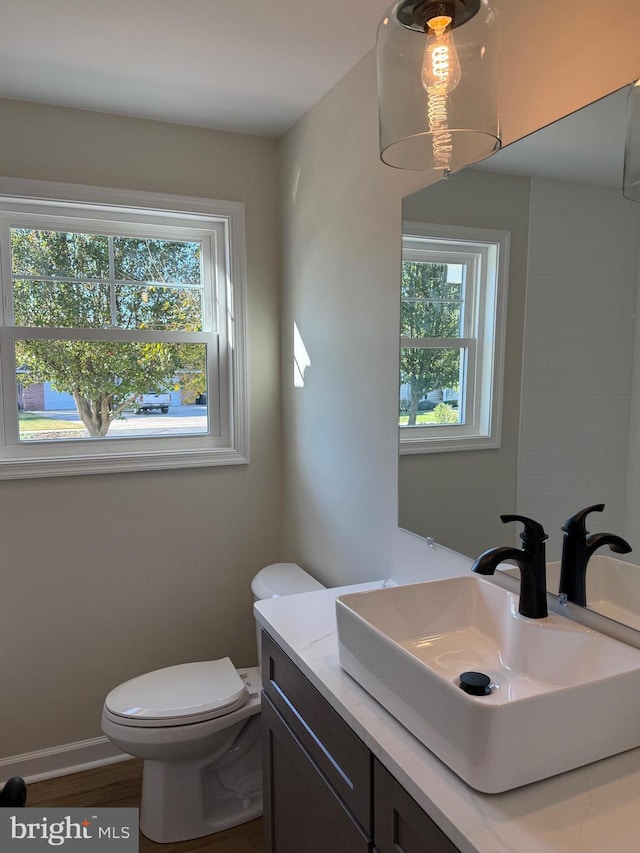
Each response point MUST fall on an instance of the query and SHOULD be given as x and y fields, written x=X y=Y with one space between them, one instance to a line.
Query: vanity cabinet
x=323 y=788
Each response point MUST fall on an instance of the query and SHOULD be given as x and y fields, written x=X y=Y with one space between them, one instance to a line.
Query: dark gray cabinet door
x=400 y=825
x=337 y=751
x=302 y=812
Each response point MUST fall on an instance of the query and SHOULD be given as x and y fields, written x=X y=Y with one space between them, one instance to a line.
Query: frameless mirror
x=570 y=384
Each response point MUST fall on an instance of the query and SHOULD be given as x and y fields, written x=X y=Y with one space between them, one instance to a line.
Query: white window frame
x=219 y=226
x=486 y=251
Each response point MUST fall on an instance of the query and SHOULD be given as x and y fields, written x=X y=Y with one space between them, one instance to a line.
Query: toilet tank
x=280 y=579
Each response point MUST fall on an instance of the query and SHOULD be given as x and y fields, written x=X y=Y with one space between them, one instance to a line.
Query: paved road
x=178 y=421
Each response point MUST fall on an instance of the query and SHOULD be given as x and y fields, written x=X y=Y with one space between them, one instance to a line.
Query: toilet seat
x=178 y=695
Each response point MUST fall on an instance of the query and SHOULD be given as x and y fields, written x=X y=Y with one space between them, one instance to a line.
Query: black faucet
x=531 y=562
x=577 y=548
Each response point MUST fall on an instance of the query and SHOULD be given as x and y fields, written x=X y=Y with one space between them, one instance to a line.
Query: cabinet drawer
x=401 y=826
x=340 y=754
x=302 y=812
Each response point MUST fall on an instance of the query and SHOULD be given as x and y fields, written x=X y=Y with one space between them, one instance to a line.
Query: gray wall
x=106 y=577
x=457 y=497
x=578 y=359
x=341 y=215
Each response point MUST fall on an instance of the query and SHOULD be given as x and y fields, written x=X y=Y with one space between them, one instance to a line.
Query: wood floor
x=119 y=785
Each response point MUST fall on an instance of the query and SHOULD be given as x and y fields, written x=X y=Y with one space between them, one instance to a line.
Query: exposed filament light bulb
x=441 y=65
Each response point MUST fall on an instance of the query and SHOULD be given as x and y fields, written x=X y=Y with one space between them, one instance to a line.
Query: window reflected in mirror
x=451 y=337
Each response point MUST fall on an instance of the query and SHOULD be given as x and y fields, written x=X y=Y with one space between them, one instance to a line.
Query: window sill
x=17 y=469
x=409 y=446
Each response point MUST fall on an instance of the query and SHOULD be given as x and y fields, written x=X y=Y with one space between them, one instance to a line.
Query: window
x=451 y=337
x=122 y=334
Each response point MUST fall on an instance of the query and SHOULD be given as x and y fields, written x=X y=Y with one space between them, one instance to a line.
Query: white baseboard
x=61 y=760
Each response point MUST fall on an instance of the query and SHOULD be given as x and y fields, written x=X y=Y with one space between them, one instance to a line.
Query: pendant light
x=438 y=84
x=631 y=177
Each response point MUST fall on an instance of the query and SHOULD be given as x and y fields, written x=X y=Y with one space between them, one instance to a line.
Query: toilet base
x=191 y=799
x=172 y=823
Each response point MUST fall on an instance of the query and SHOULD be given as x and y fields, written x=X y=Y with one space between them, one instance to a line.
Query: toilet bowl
x=197 y=728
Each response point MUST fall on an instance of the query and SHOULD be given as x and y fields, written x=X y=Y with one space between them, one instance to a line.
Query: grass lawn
x=30 y=422
x=421 y=418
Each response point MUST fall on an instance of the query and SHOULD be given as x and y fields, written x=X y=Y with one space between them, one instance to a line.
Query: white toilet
x=197 y=728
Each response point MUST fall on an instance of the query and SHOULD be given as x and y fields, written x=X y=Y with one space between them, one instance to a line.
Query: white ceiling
x=254 y=66
x=585 y=147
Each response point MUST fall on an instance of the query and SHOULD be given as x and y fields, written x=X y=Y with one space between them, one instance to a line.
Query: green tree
x=70 y=280
x=430 y=309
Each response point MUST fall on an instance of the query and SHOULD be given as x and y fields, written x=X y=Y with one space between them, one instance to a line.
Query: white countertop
x=594 y=809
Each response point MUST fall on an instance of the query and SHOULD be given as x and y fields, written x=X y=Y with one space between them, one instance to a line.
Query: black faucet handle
x=578 y=523
x=533 y=531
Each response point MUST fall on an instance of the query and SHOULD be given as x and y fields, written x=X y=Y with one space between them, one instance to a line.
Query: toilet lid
x=189 y=692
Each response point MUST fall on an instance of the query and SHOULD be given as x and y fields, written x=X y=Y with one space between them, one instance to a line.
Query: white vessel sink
x=613 y=587
x=562 y=695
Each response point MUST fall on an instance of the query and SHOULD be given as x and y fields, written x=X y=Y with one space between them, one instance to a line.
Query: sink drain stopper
x=475 y=683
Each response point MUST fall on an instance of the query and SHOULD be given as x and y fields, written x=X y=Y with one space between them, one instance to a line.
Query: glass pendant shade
x=631 y=179
x=438 y=84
